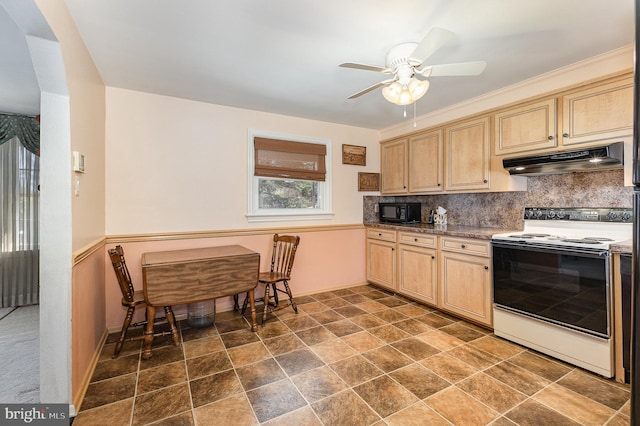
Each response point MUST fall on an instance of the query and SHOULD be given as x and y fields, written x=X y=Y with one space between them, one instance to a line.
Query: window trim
x=254 y=214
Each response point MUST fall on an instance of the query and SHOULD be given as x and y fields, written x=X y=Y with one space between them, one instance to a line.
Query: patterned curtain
x=19 y=211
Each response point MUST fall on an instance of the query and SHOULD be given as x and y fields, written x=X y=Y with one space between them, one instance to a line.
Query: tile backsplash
x=504 y=209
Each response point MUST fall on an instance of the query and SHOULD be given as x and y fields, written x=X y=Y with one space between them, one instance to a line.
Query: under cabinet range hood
x=606 y=157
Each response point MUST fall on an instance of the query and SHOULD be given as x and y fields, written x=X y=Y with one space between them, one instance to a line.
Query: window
x=289 y=177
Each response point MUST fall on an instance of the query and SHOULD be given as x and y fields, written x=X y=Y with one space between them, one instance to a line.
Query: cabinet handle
x=439 y=184
x=415 y=239
x=486 y=267
x=379 y=235
x=550 y=138
x=565 y=135
x=463 y=246
x=433 y=257
x=485 y=181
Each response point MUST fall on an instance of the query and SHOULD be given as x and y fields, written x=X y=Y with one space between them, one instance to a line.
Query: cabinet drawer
x=468 y=246
x=415 y=239
x=381 y=234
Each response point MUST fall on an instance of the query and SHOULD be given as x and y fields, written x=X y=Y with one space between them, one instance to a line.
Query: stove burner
x=598 y=239
x=529 y=236
x=581 y=241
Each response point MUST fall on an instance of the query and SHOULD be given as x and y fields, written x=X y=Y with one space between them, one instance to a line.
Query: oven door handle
x=550 y=248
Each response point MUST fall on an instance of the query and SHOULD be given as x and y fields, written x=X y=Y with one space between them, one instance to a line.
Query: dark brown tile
x=462 y=332
x=343 y=292
x=368 y=321
x=355 y=370
x=326 y=317
x=434 y=320
x=234 y=324
x=114 y=414
x=355 y=298
x=234 y=410
x=389 y=333
x=342 y=328
x=595 y=388
x=498 y=347
x=385 y=396
x=182 y=419
x=160 y=377
x=575 y=406
x=540 y=365
x=449 y=367
x=337 y=302
x=189 y=334
x=214 y=388
x=344 y=409
x=474 y=356
x=413 y=310
x=273 y=329
x=350 y=311
x=304 y=299
x=199 y=347
x=208 y=364
x=164 y=355
x=415 y=348
x=412 y=326
x=390 y=315
x=298 y=361
x=128 y=348
x=275 y=399
x=300 y=322
x=157 y=405
x=284 y=344
x=417 y=414
x=318 y=383
x=492 y=392
x=260 y=373
x=248 y=354
x=312 y=336
x=108 y=391
x=392 y=301
x=419 y=381
x=333 y=350
x=460 y=408
x=313 y=307
x=532 y=413
x=387 y=358
x=518 y=378
x=325 y=296
x=363 y=341
x=378 y=294
x=115 y=367
x=302 y=416
x=238 y=338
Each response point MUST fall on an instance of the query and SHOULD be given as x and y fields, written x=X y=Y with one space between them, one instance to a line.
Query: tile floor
x=357 y=356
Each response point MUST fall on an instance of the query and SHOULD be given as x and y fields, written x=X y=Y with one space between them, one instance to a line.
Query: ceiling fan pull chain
x=405 y=111
x=414 y=114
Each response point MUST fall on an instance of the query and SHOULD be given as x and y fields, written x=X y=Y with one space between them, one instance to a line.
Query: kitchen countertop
x=465 y=231
x=622 y=247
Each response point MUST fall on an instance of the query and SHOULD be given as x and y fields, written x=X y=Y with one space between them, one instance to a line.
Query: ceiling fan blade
x=366 y=67
x=462 y=68
x=370 y=88
x=434 y=40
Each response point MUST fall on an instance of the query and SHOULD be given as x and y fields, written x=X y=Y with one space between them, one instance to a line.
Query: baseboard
x=79 y=396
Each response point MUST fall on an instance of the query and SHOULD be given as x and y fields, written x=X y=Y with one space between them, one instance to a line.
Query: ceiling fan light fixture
x=405 y=95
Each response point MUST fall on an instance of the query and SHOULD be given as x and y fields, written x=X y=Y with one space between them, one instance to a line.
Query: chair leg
x=123 y=332
x=293 y=303
x=171 y=319
x=266 y=303
x=276 y=302
x=245 y=303
x=236 y=307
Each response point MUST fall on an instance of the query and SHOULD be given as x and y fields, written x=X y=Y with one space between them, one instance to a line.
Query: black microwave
x=400 y=212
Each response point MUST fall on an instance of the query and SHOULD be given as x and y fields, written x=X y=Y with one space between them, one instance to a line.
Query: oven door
x=566 y=286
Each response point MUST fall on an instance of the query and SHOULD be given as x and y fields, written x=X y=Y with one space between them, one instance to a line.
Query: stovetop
x=573 y=227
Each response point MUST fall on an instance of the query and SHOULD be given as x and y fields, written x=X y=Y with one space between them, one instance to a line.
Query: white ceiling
x=282 y=56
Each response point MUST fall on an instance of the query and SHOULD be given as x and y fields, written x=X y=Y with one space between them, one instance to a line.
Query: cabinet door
x=599 y=113
x=381 y=263
x=467 y=155
x=526 y=128
x=418 y=273
x=393 y=167
x=465 y=286
x=425 y=163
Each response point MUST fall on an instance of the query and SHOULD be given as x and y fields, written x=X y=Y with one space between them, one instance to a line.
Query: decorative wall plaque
x=368 y=181
x=352 y=154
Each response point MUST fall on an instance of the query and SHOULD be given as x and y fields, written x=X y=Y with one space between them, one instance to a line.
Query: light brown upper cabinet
x=598 y=113
x=393 y=167
x=526 y=128
x=467 y=160
x=425 y=162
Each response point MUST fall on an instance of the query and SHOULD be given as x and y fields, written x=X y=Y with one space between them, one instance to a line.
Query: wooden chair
x=282 y=257
x=132 y=299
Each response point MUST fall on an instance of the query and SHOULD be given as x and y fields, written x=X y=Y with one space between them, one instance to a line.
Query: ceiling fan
x=406 y=61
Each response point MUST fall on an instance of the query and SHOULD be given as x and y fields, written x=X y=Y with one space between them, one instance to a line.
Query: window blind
x=288 y=159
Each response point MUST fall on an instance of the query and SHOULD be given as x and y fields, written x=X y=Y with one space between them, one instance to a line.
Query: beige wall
x=180 y=165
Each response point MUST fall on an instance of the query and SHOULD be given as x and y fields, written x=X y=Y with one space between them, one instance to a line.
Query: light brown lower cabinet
x=452 y=274
x=465 y=285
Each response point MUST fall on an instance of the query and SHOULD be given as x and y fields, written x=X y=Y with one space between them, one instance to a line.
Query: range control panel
x=615 y=214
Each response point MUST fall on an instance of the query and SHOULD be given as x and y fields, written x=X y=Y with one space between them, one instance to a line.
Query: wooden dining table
x=178 y=277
